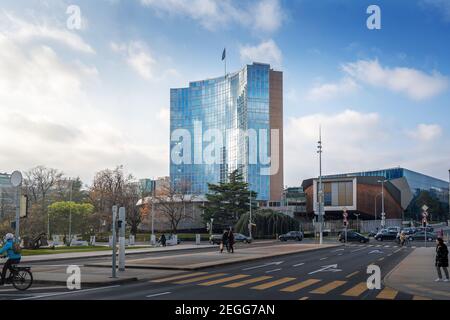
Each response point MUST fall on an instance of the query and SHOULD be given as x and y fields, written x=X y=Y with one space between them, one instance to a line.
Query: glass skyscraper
x=230 y=118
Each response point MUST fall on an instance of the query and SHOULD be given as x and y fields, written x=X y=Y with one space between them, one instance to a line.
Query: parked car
x=385 y=234
x=239 y=237
x=215 y=239
x=291 y=235
x=394 y=229
x=422 y=229
x=409 y=231
x=353 y=236
x=431 y=236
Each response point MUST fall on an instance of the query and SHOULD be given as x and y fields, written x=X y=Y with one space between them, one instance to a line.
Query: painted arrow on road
x=265 y=265
x=330 y=268
x=375 y=251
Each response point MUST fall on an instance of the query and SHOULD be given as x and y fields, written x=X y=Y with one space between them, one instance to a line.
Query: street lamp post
x=383 y=214
x=319 y=151
x=250 y=218
x=376 y=197
x=357 y=221
x=70 y=211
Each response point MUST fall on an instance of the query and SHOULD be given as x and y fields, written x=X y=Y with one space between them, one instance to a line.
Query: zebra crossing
x=307 y=289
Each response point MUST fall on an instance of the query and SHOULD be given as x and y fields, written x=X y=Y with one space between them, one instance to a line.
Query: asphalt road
x=335 y=273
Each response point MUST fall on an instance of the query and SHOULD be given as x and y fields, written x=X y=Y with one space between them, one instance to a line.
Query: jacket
x=441 y=256
x=8 y=248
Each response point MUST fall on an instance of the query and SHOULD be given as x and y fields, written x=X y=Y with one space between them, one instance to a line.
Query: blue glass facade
x=232 y=105
x=417 y=181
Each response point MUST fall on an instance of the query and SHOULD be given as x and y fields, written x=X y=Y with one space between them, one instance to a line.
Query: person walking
x=231 y=241
x=163 y=240
x=441 y=259
x=224 y=242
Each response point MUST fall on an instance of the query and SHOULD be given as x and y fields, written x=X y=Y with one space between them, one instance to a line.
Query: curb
x=88 y=284
x=105 y=255
x=180 y=268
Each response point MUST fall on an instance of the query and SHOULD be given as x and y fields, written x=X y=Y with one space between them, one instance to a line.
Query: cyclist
x=13 y=255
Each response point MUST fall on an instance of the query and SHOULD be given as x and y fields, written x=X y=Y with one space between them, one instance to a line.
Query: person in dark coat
x=163 y=240
x=224 y=241
x=231 y=241
x=441 y=259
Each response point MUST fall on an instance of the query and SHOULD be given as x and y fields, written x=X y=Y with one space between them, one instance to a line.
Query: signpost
x=121 y=227
x=16 y=182
x=424 y=221
x=114 y=249
x=345 y=215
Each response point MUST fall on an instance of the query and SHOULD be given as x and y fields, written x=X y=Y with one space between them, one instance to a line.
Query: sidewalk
x=108 y=253
x=201 y=260
x=416 y=274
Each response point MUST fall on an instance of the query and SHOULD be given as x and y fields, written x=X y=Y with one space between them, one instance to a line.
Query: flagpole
x=225 y=62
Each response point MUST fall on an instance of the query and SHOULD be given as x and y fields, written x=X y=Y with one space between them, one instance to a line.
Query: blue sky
x=83 y=100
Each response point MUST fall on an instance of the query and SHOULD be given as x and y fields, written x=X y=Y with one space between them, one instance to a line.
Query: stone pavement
x=416 y=275
x=200 y=260
x=57 y=275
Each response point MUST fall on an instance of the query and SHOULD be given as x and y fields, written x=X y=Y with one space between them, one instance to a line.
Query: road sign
x=16 y=179
x=425 y=207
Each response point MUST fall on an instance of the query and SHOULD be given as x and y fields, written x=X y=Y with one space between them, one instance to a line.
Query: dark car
x=239 y=237
x=291 y=235
x=386 y=234
x=353 y=236
x=422 y=229
x=409 y=231
x=431 y=236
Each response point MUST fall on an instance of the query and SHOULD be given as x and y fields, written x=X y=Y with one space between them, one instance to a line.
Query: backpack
x=16 y=248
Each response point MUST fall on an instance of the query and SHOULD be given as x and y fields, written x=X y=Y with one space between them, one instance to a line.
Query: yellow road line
x=356 y=291
x=328 y=287
x=272 y=283
x=304 y=298
x=248 y=281
x=420 y=298
x=387 y=293
x=179 y=277
x=300 y=285
x=352 y=274
x=213 y=282
x=201 y=278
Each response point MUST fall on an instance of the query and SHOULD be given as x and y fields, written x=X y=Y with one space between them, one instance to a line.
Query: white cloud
x=416 y=84
x=23 y=31
x=328 y=91
x=265 y=52
x=425 y=132
x=264 y=15
x=138 y=57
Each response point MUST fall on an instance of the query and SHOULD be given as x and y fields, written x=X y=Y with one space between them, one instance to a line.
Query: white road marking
x=387 y=246
x=340 y=254
x=34 y=288
x=338 y=250
x=330 y=268
x=375 y=251
x=298 y=264
x=358 y=249
x=378 y=245
x=323 y=258
x=269 y=271
x=158 y=294
x=264 y=265
x=68 y=292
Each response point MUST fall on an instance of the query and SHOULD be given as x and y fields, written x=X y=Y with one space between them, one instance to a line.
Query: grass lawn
x=26 y=252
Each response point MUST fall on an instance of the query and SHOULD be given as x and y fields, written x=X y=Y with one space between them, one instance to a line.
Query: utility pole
x=321 y=207
x=383 y=214
x=16 y=182
x=114 y=248
x=250 y=219
x=70 y=212
x=153 y=238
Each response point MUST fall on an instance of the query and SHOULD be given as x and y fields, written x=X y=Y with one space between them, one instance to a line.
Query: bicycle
x=20 y=277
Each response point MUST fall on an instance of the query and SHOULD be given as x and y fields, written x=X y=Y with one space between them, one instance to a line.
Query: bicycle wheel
x=22 y=279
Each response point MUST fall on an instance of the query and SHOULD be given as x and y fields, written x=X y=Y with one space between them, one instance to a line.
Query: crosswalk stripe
x=352 y=274
x=356 y=291
x=420 y=298
x=387 y=293
x=248 y=281
x=228 y=279
x=300 y=285
x=179 y=277
x=209 y=276
x=272 y=283
x=328 y=287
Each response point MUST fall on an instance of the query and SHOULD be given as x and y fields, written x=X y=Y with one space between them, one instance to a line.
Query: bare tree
x=171 y=203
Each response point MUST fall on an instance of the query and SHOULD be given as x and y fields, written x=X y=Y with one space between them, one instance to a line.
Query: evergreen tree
x=228 y=201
